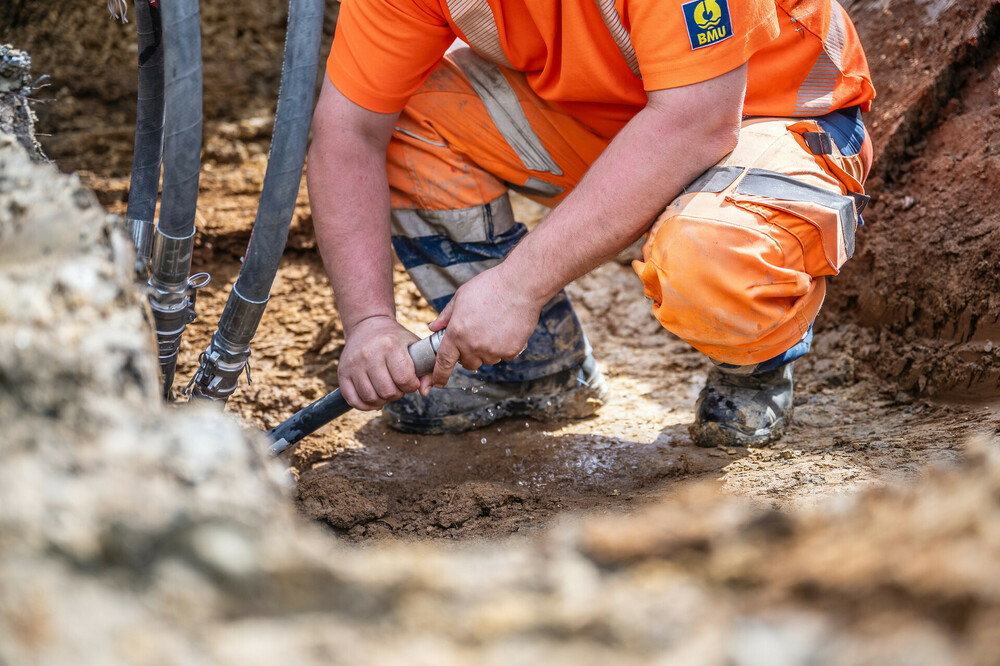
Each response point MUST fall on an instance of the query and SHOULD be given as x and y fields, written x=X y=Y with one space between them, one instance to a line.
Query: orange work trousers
x=736 y=265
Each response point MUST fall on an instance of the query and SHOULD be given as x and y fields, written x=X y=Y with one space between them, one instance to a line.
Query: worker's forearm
x=349 y=196
x=641 y=171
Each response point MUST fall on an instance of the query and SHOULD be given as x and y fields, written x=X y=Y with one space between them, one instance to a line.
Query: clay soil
x=904 y=367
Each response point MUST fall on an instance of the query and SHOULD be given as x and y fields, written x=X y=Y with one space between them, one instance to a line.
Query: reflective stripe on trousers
x=442 y=250
x=736 y=264
x=451 y=216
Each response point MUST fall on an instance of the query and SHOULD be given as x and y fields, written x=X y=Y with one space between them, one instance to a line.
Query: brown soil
x=904 y=367
x=925 y=278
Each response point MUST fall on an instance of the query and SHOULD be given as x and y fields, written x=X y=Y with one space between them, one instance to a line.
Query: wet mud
x=903 y=370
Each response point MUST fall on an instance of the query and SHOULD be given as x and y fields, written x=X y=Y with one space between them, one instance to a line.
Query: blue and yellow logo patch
x=708 y=22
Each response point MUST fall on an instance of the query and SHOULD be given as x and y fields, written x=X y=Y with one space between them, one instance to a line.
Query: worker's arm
x=349 y=197
x=679 y=134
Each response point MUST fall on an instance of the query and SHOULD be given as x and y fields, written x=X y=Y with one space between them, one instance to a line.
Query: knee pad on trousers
x=737 y=289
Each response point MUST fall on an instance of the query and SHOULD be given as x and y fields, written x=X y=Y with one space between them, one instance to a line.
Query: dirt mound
x=925 y=274
x=16 y=115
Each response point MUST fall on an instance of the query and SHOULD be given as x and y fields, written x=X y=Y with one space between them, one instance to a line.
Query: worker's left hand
x=489 y=320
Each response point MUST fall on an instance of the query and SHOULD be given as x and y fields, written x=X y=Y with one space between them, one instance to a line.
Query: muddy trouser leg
x=441 y=250
x=466 y=138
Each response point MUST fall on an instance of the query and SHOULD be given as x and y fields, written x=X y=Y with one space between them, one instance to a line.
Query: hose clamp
x=228 y=354
x=219 y=371
x=173 y=310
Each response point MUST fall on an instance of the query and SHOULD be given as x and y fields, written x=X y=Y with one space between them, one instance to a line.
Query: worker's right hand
x=375 y=366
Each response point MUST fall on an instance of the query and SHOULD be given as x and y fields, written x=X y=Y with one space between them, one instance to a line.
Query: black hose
x=182 y=137
x=288 y=149
x=227 y=354
x=148 y=151
x=307 y=421
x=172 y=292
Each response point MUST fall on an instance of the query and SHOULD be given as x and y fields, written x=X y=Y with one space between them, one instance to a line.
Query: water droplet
x=527 y=425
x=388 y=473
x=482 y=441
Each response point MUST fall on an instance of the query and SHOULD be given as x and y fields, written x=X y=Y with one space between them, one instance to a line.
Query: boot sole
x=712 y=434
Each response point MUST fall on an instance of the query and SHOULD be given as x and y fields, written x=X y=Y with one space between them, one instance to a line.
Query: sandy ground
x=902 y=371
x=884 y=393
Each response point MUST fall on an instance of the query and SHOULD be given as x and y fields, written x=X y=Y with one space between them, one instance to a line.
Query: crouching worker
x=729 y=132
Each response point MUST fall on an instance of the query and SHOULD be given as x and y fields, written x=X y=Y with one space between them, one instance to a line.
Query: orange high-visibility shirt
x=596 y=59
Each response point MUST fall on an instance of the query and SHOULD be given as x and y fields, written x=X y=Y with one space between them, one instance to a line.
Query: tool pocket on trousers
x=848 y=169
x=823 y=222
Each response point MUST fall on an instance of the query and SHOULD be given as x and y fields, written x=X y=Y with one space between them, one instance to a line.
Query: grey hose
x=172 y=293
x=227 y=355
x=288 y=149
x=148 y=151
x=182 y=141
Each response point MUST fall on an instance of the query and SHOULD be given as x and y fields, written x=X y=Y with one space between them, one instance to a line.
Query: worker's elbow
x=723 y=137
x=720 y=127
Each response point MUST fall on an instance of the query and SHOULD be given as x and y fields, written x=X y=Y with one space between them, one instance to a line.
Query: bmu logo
x=708 y=22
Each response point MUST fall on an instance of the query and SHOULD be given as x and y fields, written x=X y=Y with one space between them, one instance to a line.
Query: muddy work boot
x=743 y=410
x=467 y=402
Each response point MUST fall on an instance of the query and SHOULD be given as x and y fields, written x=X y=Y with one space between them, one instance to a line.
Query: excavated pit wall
x=925 y=277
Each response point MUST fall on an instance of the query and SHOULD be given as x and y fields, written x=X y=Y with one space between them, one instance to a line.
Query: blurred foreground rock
x=136 y=533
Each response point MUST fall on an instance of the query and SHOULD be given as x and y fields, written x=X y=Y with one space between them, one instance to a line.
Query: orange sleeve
x=384 y=50
x=680 y=43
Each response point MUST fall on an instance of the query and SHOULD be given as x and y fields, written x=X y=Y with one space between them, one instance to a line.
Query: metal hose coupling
x=172 y=296
x=228 y=354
